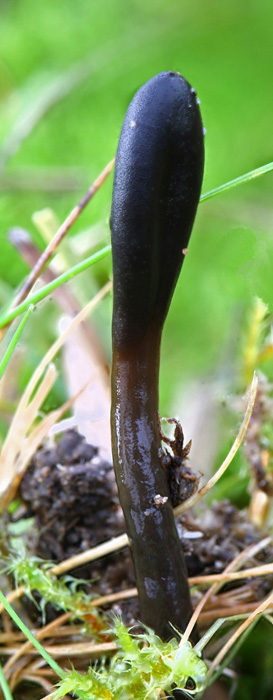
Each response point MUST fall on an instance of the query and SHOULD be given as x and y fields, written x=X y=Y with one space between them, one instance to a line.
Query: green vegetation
x=67 y=73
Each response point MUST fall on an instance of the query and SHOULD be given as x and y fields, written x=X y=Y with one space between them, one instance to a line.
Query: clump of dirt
x=214 y=538
x=71 y=492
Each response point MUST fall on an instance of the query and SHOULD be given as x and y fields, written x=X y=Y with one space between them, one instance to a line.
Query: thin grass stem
x=241 y=180
x=4 y=685
x=51 y=662
x=242 y=628
x=14 y=340
x=47 y=289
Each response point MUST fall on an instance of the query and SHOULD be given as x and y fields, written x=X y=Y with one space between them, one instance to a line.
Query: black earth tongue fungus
x=158 y=176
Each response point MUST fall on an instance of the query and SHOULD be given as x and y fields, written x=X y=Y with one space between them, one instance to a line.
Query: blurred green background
x=67 y=73
x=68 y=70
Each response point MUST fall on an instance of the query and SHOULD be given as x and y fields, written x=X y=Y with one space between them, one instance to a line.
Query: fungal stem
x=161 y=575
x=159 y=168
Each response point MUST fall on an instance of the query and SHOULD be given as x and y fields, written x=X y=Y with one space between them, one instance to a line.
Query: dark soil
x=71 y=492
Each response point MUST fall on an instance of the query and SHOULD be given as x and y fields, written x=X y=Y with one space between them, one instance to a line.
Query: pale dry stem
x=20 y=445
x=232 y=567
x=51 y=248
x=230 y=456
x=242 y=628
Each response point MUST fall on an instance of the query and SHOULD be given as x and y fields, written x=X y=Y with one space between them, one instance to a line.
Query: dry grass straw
x=230 y=571
x=25 y=434
x=230 y=456
x=259 y=610
x=51 y=248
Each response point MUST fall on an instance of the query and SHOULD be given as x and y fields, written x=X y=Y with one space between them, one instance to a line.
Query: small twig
x=36 y=678
x=113 y=597
x=35 y=671
x=208 y=616
x=100 y=550
x=232 y=576
x=97 y=602
x=22 y=241
x=62 y=231
x=57 y=651
x=20 y=623
x=132 y=592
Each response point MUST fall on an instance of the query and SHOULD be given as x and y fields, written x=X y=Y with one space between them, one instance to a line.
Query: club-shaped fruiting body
x=157 y=184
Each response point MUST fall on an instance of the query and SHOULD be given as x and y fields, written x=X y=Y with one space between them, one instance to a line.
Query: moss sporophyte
x=158 y=176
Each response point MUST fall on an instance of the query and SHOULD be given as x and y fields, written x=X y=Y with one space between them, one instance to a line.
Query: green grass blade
x=4 y=685
x=237 y=181
x=14 y=340
x=233 y=652
x=28 y=634
x=8 y=316
x=214 y=628
x=46 y=656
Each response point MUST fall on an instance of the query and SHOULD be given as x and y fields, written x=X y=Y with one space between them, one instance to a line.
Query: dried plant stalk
x=232 y=452
x=56 y=240
x=20 y=444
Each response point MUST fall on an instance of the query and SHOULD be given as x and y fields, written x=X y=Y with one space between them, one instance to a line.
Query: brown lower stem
x=161 y=575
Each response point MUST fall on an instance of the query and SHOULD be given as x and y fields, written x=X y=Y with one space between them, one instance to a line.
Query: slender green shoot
x=241 y=180
x=211 y=632
x=233 y=652
x=8 y=316
x=14 y=340
x=4 y=685
x=28 y=634
x=46 y=656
